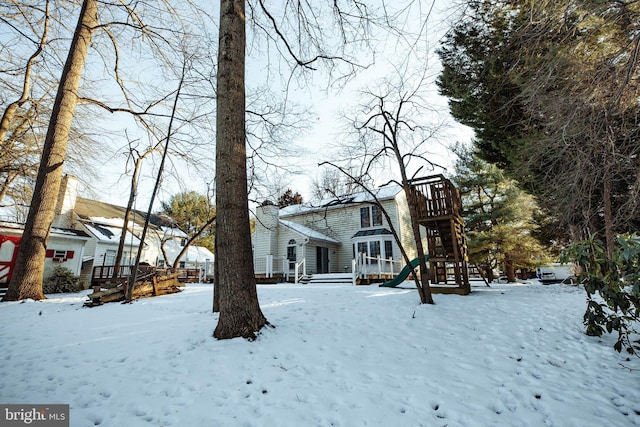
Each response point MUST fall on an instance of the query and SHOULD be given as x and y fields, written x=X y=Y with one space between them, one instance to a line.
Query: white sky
x=316 y=143
x=340 y=355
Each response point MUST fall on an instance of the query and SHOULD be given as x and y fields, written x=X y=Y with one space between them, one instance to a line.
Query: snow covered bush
x=61 y=280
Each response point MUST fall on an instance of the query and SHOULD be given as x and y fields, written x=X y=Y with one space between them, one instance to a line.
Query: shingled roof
x=93 y=210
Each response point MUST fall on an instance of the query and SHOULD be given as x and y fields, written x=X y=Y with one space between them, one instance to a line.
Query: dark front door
x=322 y=258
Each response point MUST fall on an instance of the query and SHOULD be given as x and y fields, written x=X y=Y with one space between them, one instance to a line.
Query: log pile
x=148 y=287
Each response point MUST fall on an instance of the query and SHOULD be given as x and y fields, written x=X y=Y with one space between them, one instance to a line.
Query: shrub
x=61 y=280
x=612 y=284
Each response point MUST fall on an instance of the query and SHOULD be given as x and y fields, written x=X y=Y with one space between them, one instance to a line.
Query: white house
x=66 y=247
x=346 y=234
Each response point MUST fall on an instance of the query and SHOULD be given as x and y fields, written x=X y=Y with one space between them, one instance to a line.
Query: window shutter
x=49 y=253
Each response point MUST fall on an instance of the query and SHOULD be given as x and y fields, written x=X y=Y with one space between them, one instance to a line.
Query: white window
x=370 y=216
x=126 y=258
x=110 y=257
x=61 y=254
x=374 y=248
x=388 y=249
x=363 y=248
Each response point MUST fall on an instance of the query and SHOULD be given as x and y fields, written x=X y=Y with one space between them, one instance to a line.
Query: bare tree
x=26 y=281
x=332 y=183
x=30 y=68
x=390 y=135
x=137 y=159
x=425 y=295
x=18 y=147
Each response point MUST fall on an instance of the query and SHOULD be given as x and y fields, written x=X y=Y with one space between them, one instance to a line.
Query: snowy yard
x=510 y=355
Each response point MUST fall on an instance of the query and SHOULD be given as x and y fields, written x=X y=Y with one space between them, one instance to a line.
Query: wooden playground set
x=439 y=209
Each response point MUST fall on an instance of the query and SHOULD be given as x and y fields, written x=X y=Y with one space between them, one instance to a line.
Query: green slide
x=404 y=273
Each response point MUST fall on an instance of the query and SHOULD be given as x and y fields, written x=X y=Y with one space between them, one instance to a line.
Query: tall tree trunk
x=424 y=290
x=509 y=268
x=26 y=281
x=216 y=288
x=127 y=213
x=240 y=314
x=607 y=201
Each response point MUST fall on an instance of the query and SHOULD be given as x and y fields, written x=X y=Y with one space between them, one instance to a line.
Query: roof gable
x=308 y=232
x=105 y=213
x=382 y=193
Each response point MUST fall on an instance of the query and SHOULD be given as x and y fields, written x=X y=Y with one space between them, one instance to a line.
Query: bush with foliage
x=61 y=280
x=613 y=288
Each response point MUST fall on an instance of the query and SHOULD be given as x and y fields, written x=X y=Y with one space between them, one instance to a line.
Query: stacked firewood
x=149 y=287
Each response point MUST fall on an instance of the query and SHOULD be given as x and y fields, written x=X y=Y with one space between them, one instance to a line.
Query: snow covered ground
x=509 y=355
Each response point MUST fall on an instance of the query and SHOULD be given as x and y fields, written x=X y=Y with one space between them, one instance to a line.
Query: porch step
x=305 y=280
x=330 y=278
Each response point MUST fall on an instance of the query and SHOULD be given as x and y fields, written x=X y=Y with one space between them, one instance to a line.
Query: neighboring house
x=345 y=234
x=196 y=256
x=66 y=248
x=103 y=222
x=99 y=226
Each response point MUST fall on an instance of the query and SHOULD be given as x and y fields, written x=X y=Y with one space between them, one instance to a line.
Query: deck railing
x=436 y=196
x=104 y=273
x=271 y=266
x=374 y=267
x=300 y=270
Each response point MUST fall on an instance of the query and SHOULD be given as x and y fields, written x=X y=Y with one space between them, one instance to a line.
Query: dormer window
x=370 y=216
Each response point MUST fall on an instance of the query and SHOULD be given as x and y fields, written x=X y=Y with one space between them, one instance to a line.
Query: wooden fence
x=104 y=274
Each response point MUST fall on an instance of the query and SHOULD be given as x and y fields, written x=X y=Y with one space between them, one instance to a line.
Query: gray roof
x=383 y=193
x=18 y=228
x=374 y=232
x=88 y=209
x=308 y=232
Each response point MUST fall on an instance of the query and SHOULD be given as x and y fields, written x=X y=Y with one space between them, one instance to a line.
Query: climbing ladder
x=439 y=210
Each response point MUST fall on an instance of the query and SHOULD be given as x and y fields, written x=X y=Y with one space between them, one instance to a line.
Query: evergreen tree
x=498 y=217
x=193 y=212
x=551 y=91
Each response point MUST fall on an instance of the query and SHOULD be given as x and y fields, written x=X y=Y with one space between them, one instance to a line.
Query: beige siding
x=266 y=233
x=342 y=223
x=337 y=222
x=404 y=218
